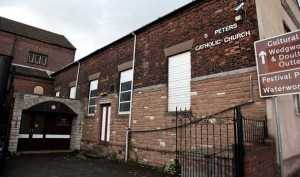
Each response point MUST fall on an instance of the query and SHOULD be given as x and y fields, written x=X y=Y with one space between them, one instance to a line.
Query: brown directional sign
x=278 y=64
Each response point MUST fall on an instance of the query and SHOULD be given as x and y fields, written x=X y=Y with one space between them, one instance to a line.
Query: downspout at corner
x=131 y=101
x=77 y=78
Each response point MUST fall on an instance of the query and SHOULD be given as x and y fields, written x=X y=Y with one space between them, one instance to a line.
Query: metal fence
x=255 y=131
x=214 y=146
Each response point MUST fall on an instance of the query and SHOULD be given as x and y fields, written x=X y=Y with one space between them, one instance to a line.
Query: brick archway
x=27 y=101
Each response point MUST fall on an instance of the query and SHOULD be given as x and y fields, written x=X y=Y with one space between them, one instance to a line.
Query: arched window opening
x=38 y=90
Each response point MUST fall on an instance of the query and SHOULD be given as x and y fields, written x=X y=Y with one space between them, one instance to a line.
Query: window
x=73 y=92
x=286 y=28
x=38 y=90
x=37 y=58
x=92 y=97
x=297 y=103
x=57 y=94
x=126 y=78
x=298 y=2
x=179 y=91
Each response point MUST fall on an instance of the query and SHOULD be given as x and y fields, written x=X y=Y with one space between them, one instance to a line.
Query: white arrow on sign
x=262 y=55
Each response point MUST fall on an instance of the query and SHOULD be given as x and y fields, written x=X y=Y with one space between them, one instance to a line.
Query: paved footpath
x=67 y=165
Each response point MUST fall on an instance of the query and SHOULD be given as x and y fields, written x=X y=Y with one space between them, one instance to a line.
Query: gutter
x=77 y=78
x=131 y=101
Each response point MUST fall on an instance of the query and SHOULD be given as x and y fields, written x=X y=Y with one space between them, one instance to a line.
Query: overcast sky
x=88 y=24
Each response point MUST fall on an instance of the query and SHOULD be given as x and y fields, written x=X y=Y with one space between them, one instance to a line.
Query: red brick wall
x=151 y=63
x=260 y=161
x=23 y=84
x=150 y=106
x=193 y=23
x=6 y=41
x=105 y=62
x=62 y=81
x=150 y=110
x=58 y=57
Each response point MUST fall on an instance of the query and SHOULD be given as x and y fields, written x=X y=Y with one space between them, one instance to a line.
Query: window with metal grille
x=37 y=58
x=179 y=84
x=125 y=91
x=93 y=93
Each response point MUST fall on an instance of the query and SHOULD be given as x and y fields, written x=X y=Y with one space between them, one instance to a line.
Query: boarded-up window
x=179 y=92
x=38 y=90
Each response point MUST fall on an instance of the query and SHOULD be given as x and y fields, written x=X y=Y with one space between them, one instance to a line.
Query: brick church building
x=122 y=98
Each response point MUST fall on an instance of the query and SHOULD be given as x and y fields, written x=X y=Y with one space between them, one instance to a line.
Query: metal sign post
x=278 y=136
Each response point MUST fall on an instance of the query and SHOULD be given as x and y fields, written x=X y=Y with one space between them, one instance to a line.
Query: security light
x=240 y=7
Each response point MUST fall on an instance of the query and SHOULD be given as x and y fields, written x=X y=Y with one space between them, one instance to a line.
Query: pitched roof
x=143 y=28
x=31 y=32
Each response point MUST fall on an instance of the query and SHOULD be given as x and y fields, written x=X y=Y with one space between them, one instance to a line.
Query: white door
x=105 y=123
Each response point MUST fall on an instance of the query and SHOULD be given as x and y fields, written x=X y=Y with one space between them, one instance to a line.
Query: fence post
x=176 y=150
x=239 y=145
x=266 y=131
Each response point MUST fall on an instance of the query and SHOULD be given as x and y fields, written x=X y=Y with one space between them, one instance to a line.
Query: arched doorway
x=46 y=126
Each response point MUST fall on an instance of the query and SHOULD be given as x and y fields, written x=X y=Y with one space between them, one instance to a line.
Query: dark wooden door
x=31 y=135
x=58 y=132
x=44 y=132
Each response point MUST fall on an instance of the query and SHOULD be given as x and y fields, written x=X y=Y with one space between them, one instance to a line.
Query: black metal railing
x=214 y=146
x=255 y=131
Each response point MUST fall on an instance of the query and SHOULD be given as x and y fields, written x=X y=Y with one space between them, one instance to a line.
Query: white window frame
x=179 y=90
x=72 y=94
x=125 y=76
x=93 y=86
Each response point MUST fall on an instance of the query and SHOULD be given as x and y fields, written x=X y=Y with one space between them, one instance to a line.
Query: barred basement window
x=125 y=91
x=37 y=58
x=92 y=97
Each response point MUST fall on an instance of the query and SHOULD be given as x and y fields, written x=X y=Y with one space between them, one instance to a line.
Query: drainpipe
x=131 y=101
x=77 y=77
